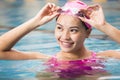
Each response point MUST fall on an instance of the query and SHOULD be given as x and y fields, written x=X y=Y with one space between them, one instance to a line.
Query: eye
x=73 y=30
x=59 y=28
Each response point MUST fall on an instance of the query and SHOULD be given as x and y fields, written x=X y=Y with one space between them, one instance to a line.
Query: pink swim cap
x=73 y=8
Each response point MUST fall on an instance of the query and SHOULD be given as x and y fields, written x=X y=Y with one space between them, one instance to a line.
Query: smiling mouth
x=66 y=44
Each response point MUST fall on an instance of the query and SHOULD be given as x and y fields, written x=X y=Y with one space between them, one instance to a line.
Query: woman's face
x=70 y=33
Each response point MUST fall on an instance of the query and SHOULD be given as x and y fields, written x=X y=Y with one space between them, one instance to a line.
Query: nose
x=65 y=35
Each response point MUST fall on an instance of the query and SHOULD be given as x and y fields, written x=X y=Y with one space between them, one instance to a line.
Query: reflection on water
x=15 y=12
x=46 y=43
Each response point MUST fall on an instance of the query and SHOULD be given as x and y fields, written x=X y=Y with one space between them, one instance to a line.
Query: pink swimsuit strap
x=74 y=68
x=93 y=55
x=56 y=62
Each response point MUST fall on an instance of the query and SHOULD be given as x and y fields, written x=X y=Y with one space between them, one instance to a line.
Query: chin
x=67 y=50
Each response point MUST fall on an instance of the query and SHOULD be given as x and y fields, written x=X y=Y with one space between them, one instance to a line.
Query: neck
x=78 y=54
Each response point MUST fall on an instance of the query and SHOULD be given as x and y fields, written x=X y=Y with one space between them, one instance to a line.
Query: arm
x=97 y=20
x=111 y=31
x=110 y=54
x=9 y=39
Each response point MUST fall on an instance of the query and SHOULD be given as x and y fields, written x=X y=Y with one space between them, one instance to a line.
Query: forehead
x=68 y=20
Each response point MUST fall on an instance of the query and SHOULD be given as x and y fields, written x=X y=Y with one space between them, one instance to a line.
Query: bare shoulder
x=109 y=53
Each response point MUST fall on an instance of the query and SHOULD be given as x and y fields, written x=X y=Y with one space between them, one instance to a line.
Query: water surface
x=15 y=12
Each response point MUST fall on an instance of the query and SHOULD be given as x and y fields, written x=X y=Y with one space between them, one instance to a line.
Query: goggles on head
x=75 y=8
x=73 y=11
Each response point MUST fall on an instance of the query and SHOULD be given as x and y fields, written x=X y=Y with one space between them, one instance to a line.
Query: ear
x=88 y=32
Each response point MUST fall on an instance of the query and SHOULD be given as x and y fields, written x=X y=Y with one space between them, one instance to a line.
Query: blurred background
x=15 y=12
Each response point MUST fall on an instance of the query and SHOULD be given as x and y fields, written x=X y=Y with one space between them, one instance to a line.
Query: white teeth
x=66 y=44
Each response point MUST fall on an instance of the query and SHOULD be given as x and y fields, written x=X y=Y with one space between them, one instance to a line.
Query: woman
x=47 y=13
x=70 y=33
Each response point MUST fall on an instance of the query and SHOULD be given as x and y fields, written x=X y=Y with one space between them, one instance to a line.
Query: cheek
x=78 y=38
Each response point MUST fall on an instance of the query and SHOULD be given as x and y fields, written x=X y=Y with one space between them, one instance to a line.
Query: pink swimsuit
x=76 y=68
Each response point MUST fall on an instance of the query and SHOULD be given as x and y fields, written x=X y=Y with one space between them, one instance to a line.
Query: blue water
x=15 y=12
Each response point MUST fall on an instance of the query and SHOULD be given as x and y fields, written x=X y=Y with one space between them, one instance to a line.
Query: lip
x=66 y=44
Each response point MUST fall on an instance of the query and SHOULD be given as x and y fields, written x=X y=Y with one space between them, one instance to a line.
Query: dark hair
x=83 y=23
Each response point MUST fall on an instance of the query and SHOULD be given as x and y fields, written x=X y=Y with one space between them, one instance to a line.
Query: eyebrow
x=75 y=27
x=70 y=27
x=59 y=24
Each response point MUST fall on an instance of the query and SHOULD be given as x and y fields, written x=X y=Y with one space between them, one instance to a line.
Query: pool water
x=46 y=43
x=42 y=40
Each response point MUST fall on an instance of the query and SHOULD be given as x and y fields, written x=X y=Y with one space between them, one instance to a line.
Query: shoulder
x=109 y=53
